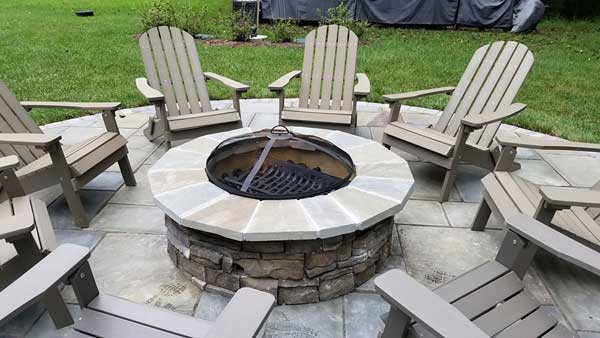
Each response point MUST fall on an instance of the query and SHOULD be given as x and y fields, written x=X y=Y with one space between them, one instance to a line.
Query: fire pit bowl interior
x=275 y=164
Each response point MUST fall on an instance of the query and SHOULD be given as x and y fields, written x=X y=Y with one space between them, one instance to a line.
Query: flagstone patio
x=431 y=240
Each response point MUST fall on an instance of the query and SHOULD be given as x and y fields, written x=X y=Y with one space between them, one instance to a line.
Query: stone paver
x=129 y=256
x=137 y=267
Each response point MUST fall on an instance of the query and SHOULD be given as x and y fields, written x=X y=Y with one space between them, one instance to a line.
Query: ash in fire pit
x=278 y=164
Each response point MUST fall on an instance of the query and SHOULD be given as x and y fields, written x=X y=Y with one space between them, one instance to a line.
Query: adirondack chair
x=107 y=316
x=176 y=85
x=45 y=162
x=328 y=94
x=465 y=131
x=488 y=301
x=26 y=233
x=572 y=211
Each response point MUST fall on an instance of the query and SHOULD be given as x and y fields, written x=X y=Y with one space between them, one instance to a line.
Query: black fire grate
x=283 y=178
x=279 y=176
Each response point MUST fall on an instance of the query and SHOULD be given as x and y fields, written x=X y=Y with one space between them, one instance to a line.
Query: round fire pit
x=277 y=164
x=306 y=214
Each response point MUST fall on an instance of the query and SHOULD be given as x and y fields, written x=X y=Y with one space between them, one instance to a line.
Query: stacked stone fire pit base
x=295 y=272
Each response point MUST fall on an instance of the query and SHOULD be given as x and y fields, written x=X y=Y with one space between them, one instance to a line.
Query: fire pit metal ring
x=281 y=169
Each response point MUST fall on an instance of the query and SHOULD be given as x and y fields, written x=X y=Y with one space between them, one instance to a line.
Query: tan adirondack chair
x=104 y=315
x=465 y=131
x=26 y=233
x=176 y=85
x=45 y=162
x=490 y=300
x=328 y=94
x=572 y=211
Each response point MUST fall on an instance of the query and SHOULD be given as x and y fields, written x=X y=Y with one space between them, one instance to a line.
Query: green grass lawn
x=47 y=53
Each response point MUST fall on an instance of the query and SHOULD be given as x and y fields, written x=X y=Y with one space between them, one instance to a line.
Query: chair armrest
x=149 y=93
x=227 y=82
x=244 y=316
x=29 y=139
x=479 y=121
x=392 y=98
x=424 y=306
x=555 y=242
x=9 y=162
x=363 y=86
x=48 y=273
x=566 y=197
x=540 y=143
x=22 y=220
x=112 y=106
x=283 y=81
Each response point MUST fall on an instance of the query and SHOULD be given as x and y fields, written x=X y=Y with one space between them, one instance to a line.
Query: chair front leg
x=236 y=96
x=155 y=128
x=108 y=116
x=461 y=141
x=281 y=96
x=396 y=325
x=63 y=173
x=395 y=112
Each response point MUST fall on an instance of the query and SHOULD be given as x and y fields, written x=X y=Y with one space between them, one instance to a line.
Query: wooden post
x=482 y=216
x=516 y=253
x=57 y=309
x=396 y=325
x=63 y=173
x=84 y=285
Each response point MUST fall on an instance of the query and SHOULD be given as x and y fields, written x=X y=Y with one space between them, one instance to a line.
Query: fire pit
x=277 y=164
x=306 y=214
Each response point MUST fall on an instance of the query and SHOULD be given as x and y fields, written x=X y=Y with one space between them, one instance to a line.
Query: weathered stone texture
x=295 y=272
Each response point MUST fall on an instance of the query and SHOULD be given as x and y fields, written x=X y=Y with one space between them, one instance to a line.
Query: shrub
x=158 y=13
x=165 y=13
x=284 y=30
x=242 y=26
x=341 y=15
x=192 y=20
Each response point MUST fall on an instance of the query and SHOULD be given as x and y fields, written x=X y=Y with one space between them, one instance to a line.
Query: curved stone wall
x=295 y=272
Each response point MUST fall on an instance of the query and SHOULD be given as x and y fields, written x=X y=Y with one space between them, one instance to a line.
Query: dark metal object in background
x=85 y=12
x=274 y=178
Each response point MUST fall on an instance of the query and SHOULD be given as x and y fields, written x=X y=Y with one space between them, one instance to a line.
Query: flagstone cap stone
x=380 y=189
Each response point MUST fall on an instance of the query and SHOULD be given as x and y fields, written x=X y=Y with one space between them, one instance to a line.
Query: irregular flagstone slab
x=436 y=255
x=137 y=267
x=540 y=173
x=319 y=320
x=380 y=188
x=578 y=170
x=577 y=292
x=138 y=195
x=362 y=315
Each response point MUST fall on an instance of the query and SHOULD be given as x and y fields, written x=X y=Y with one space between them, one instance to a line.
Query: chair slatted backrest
x=492 y=80
x=329 y=69
x=15 y=119
x=173 y=68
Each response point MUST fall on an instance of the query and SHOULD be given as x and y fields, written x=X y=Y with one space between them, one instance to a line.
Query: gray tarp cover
x=488 y=13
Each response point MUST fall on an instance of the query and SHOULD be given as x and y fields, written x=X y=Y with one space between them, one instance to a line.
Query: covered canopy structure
x=476 y=13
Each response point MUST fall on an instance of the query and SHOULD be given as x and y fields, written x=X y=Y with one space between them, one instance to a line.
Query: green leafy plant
x=242 y=26
x=192 y=20
x=158 y=13
x=341 y=15
x=284 y=30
